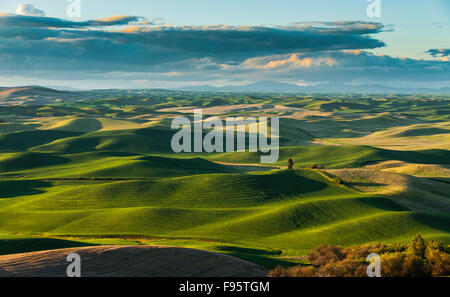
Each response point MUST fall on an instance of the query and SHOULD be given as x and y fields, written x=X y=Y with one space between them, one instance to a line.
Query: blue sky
x=410 y=29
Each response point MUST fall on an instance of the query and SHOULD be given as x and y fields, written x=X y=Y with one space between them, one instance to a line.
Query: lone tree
x=290 y=164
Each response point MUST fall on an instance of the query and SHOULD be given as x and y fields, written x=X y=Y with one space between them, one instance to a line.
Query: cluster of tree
x=313 y=166
x=416 y=259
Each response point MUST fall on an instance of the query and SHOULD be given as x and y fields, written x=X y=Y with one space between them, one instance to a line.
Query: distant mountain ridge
x=277 y=87
x=38 y=95
x=34 y=95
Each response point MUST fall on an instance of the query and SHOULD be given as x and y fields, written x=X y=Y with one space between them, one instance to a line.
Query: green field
x=101 y=171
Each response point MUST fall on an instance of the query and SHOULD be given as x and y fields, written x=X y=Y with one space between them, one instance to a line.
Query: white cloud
x=293 y=61
x=29 y=10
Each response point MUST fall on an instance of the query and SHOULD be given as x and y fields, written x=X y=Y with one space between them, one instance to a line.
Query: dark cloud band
x=127 y=47
x=442 y=52
x=42 y=43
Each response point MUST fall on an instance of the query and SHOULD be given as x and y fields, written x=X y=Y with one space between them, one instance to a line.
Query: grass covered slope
x=287 y=210
x=24 y=140
x=103 y=165
x=347 y=156
x=131 y=141
x=102 y=171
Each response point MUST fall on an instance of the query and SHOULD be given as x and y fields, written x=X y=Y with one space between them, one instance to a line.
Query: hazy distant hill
x=37 y=95
x=277 y=87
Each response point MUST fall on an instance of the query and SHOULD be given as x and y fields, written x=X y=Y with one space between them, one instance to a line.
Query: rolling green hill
x=101 y=171
x=340 y=156
x=24 y=140
x=290 y=211
x=103 y=165
x=132 y=141
x=120 y=164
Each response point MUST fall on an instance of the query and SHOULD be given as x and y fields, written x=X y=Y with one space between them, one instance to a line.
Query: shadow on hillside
x=261 y=257
x=226 y=248
x=290 y=183
x=14 y=188
x=358 y=184
x=434 y=156
x=382 y=203
x=25 y=245
x=21 y=141
x=31 y=160
x=439 y=222
x=83 y=125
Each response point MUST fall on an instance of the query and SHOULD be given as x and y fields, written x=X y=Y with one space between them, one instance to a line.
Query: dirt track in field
x=129 y=261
